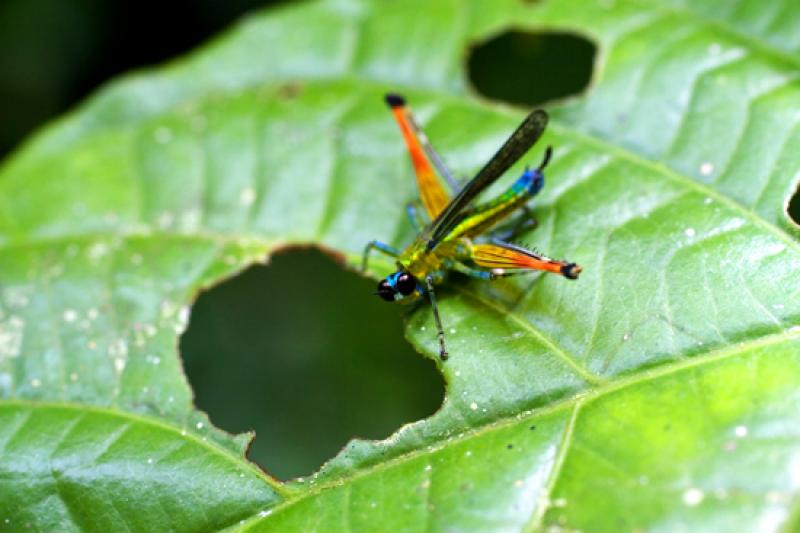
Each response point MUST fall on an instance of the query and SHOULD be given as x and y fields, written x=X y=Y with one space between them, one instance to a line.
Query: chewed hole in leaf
x=531 y=68
x=793 y=206
x=303 y=353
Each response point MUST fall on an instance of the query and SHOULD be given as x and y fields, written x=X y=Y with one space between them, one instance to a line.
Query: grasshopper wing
x=515 y=147
x=431 y=192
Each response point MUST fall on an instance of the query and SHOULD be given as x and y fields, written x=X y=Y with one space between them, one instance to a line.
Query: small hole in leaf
x=793 y=206
x=303 y=353
x=531 y=68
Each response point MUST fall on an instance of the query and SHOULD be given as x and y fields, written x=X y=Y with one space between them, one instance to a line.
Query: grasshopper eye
x=406 y=283
x=385 y=291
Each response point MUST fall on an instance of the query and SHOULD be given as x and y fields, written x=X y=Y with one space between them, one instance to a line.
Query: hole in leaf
x=303 y=353
x=531 y=68
x=793 y=206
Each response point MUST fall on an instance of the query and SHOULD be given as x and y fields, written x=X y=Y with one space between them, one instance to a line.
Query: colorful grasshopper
x=445 y=243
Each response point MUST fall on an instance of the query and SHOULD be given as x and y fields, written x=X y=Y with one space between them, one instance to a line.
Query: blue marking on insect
x=531 y=182
x=392 y=279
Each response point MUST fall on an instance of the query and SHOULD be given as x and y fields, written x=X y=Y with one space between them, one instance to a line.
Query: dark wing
x=515 y=147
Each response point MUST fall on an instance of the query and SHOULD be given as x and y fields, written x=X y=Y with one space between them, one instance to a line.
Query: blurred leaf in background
x=54 y=52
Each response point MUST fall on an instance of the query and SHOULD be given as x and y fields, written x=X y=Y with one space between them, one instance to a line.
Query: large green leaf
x=659 y=392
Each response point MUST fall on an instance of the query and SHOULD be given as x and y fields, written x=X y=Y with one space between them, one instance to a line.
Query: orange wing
x=505 y=256
x=431 y=192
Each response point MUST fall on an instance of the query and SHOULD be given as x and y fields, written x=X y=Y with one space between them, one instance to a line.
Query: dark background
x=300 y=351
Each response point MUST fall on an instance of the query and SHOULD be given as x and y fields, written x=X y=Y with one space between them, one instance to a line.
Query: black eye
x=385 y=291
x=406 y=283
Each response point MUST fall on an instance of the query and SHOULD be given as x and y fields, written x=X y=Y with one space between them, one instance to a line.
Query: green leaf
x=657 y=392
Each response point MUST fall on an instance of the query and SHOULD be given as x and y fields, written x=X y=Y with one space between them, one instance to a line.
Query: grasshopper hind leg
x=500 y=256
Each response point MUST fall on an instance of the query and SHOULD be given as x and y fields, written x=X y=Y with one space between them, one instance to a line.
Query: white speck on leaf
x=15 y=297
x=693 y=496
x=11 y=337
x=247 y=196
x=162 y=135
x=191 y=218
x=165 y=220
x=118 y=348
x=55 y=271
x=167 y=308
x=183 y=319
x=97 y=251
x=776 y=497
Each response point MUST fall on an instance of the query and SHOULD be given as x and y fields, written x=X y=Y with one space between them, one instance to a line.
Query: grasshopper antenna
x=548 y=153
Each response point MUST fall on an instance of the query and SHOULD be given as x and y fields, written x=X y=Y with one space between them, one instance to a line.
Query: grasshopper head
x=399 y=286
